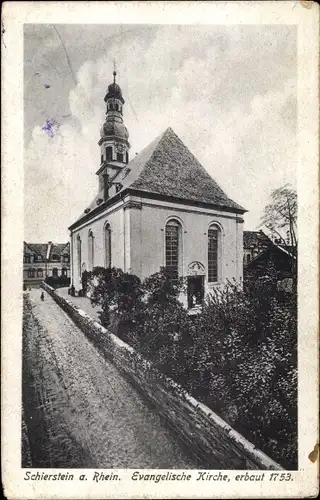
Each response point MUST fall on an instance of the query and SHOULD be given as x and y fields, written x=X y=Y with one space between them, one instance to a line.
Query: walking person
x=42 y=296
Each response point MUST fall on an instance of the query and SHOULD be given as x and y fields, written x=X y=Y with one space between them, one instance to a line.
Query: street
x=79 y=411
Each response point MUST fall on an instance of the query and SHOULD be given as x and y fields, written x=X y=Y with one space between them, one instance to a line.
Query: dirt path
x=79 y=410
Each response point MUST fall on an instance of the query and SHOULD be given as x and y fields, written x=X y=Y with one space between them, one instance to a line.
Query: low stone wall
x=214 y=442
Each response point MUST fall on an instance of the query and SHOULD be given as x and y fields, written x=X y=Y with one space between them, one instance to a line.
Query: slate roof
x=166 y=167
x=60 y=249
x=40 y=249
x=255 y=239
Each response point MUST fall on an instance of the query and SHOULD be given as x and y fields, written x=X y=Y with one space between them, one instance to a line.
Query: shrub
x=115 y=291
x=239 y=356
x=57 y=281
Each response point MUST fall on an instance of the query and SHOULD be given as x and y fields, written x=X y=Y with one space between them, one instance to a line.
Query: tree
x=280 y=216
x=112 y=289
x=163 y=288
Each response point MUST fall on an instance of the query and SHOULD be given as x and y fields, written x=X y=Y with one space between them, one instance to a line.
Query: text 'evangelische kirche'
x=161 y=208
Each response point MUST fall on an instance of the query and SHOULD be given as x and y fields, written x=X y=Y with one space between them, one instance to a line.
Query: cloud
x=231 y=102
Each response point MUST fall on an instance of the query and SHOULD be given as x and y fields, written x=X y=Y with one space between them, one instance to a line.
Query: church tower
x=114 y=142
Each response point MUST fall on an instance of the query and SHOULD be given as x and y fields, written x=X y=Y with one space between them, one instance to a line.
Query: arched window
x=107 y=245
x=79 y=254
x=214 y=244
x=109 y=153
x=31 y=273
x=127 y=157
x=173 y=247
x=120 y=157
x=90 y=250
x=40 y=273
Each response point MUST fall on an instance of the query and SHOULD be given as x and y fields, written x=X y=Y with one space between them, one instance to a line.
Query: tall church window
x=79 y=254
x=91 y=250
x=173 y=247
x=213 y=253
x=109 y=153
x=107 y=244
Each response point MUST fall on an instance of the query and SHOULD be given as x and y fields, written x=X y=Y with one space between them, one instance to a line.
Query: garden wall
x=214 y=442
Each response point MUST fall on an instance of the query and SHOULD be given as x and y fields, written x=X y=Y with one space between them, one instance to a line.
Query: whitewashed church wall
x=115 y=219
x=148 y=241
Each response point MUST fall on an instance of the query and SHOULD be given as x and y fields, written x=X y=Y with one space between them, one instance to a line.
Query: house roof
x=271 y=250
x=59 y=249
x=41 y=249
x=166 y=167
x=255 y=239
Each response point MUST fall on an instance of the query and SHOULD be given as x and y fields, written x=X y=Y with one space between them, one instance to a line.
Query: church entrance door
x=195 y=291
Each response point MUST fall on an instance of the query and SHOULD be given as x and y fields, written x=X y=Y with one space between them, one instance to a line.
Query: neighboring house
x=276 y=262
x=254 y=242
x=160 y=209
x=45 y=259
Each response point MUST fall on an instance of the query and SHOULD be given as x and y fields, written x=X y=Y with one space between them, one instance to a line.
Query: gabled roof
x=59 y=249
x=41 y=249
x=271 y=250
x=167 y=168
x=255 y=239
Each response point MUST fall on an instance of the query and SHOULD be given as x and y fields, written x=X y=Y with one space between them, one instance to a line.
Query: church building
x=162 y=208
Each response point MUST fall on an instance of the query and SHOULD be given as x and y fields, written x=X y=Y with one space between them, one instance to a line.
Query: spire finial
x=114 y=71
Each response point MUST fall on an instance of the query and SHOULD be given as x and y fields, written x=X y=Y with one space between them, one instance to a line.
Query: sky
x=229 y=93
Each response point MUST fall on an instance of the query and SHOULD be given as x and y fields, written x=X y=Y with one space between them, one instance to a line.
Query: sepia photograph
x=160 y=200
x=163 y=255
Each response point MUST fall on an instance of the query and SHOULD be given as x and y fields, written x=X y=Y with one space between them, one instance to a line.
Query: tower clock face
x=120 y=148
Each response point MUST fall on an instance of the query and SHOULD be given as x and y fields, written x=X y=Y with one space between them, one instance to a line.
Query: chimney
x=105 y=186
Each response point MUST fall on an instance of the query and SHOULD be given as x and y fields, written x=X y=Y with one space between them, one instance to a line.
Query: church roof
x=167 y=168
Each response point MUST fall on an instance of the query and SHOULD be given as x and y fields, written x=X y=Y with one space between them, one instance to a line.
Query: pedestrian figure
x=42 y=296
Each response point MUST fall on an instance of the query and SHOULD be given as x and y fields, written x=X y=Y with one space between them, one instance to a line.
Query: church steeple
x=114 y=142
